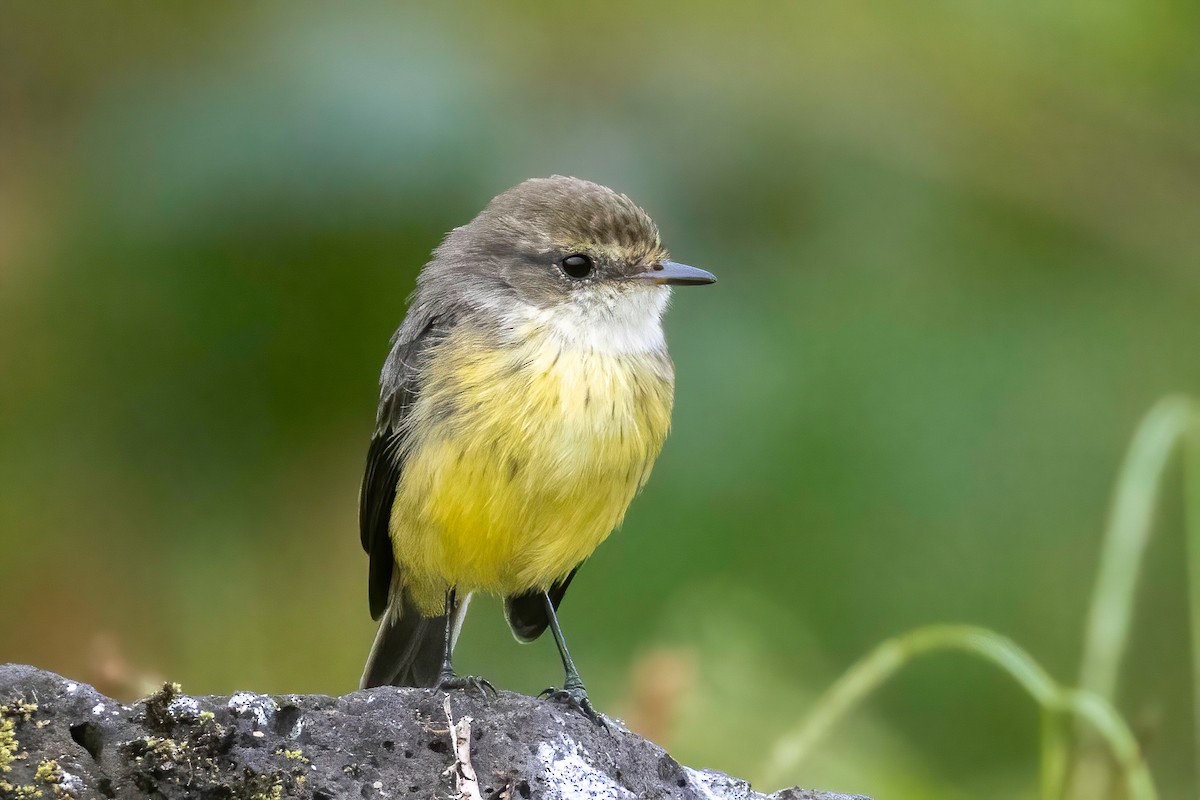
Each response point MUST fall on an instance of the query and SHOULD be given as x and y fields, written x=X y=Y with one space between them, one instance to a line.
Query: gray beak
x=672 y=273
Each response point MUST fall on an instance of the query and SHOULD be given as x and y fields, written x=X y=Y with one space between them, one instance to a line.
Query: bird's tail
x=408 y=647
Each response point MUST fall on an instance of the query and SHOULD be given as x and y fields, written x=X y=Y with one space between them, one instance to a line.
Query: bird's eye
x=578 y=265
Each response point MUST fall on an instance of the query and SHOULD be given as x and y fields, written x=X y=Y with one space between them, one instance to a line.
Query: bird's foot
x=483 y=686
x=575 y=698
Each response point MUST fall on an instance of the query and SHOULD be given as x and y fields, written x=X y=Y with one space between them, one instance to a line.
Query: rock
x=63 y=739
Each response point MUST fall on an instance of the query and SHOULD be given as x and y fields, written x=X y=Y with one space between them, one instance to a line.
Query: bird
x=523 y=402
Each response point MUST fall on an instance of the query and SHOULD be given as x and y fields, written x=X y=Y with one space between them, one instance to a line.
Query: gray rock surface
x=60 y=738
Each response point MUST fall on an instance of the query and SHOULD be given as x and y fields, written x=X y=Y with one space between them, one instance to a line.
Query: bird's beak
x=672 y=273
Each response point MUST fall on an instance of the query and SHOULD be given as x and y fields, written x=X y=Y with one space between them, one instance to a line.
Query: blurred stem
x=889 y=657
x=1055 y=751
x=1173 y=419
x=1107 y=722
x=1129 y=527
x=1191 y=490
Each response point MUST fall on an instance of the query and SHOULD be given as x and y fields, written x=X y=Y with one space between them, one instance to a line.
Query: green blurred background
x=959 y=251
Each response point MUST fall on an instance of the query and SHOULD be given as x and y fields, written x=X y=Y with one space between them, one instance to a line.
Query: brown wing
x=385 y=459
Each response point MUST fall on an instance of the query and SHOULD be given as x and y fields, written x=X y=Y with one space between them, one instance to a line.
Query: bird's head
x=564 y=246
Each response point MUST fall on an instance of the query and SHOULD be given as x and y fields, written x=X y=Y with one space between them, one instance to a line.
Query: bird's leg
x=447 y=673
x=573 y=692
x=446 y=678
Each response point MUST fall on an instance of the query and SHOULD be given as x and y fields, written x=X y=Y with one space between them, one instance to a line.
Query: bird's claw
x=576 y=699
x=468 y=683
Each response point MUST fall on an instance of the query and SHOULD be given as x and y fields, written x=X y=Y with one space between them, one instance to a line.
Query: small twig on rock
x=465 y=781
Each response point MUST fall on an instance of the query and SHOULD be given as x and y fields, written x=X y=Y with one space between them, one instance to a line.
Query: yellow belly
x=521 y=461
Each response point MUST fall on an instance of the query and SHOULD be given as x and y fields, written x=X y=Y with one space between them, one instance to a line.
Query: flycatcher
x=525 y=398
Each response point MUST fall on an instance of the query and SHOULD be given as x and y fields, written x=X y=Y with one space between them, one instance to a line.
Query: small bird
x=525 y=398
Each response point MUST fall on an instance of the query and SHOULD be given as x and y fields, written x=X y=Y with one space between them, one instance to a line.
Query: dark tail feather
x=526 y=613
x=408 y=647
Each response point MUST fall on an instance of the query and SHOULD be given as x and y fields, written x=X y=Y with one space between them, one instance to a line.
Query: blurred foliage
x=958 y=250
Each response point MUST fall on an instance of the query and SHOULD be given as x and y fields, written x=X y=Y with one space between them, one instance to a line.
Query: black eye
x=578 y=265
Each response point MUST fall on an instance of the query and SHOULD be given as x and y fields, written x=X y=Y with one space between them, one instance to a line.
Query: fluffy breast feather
x=524 y=454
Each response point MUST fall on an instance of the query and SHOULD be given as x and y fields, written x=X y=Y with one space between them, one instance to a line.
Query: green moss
x=275 y=793
x=48 y=771
x=27 y=792
x=258 y=787
x=190 y=752
x=10 y=748
x=157 y=707
x=11 y=713
x=166 y=749
x=18 y=709
x=8 y=745
x=293 y=755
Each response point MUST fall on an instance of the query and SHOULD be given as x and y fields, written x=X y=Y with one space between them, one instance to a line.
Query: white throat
x=606 y=320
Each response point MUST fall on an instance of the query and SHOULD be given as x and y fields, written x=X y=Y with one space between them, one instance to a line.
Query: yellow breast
x=522 y=459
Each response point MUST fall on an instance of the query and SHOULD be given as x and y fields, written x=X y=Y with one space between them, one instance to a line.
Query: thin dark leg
x=572 y=681
x=447 y=674
x=573 y=692
x=447 y=679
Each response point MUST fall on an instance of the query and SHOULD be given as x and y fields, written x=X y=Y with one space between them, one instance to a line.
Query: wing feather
x=385 y=458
